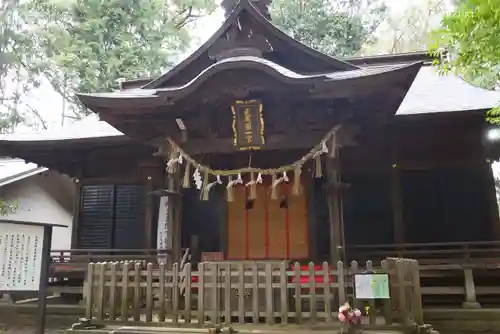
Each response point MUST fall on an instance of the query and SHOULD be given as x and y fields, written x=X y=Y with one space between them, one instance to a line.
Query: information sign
x=25 y=261
x=21 y=249
x=371 y=286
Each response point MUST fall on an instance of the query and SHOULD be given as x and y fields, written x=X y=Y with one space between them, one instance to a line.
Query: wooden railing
x=452 y=273
x=430 y=253
x=465 y=284
x=71 y=255
x=426 y=253
x=76 y=260
x=237 y=291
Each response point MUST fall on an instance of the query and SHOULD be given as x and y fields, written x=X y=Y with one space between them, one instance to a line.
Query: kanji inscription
x=248 y=125
x=20 y=257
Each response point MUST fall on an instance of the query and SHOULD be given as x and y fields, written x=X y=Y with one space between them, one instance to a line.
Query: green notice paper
x=371 y=286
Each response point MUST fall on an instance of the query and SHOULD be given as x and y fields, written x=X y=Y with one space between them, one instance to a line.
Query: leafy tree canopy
x=89 y=45
x=408 y=30
x=14 y=80
x=337 y=28
x=471 y=34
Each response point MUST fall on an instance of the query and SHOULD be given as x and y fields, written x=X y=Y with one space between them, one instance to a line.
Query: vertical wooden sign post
x=25 y=261
x=164 y=232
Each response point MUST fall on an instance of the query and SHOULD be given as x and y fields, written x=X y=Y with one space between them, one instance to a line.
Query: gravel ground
x=31 y=330
x=55 y=325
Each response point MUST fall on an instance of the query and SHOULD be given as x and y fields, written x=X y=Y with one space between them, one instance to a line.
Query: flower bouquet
x=351 y=318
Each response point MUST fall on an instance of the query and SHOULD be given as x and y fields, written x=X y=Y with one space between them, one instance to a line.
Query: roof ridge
x=232 y=18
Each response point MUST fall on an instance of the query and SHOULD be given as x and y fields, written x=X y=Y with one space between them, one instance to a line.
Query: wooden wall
x=379 y=168
x=428 y=174
x=425 y=173
x=118 y=167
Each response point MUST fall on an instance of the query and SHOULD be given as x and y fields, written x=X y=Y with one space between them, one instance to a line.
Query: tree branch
x=37 y=115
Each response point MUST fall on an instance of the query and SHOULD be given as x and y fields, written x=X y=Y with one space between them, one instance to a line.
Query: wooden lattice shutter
x=96 y=217
x=130 y=203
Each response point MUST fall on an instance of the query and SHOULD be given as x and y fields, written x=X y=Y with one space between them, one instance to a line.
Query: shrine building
x=257 y=147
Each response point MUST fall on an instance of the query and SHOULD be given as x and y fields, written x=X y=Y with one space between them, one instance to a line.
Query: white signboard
x=21 y=249
x=164 y=237
x=371 y=286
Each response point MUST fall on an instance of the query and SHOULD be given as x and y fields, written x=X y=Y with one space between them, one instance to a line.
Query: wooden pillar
x=470 y=290
x=151 y=174
x=312 y=223
x=222 y=211
x=396 y=194
x=175 y=212
x=397 y=205
x=77 y=203
x=148 y=215
x=194 y=248
x=492 y=200
x=334 y=210
x=172 y=187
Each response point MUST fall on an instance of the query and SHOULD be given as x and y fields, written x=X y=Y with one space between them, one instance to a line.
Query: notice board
x=21 y=250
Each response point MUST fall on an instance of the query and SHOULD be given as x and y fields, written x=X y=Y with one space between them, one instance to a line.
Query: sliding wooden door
x=267 y=229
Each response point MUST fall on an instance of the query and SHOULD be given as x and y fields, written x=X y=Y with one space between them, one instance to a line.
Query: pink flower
x=357 y=313
x=344 y=307
x=342 y=317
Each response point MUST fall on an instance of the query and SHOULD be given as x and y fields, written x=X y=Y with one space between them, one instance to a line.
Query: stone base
x=5 y=298
x=471 y=305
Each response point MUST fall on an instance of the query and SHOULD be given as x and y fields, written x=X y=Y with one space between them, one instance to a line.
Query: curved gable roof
x=143 y=98
x=429 y=93
x=323 y=62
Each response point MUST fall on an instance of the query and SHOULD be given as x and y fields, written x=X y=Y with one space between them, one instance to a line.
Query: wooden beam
x=309 y=139
x=165 y=192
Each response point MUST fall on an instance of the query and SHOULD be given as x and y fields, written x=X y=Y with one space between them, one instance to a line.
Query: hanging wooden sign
x=248 y=125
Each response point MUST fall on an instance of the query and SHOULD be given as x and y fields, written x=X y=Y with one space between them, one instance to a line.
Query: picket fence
x=229 y=292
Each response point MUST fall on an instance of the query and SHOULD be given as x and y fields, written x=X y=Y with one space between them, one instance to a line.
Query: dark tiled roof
x=435 y=93
x=429 y=93
x=245 y=61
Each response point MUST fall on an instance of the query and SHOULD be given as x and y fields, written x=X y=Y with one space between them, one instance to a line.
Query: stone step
x=141 y=330
x=251 y=329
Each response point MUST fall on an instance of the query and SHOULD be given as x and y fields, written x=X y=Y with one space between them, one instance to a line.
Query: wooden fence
x=227 y=292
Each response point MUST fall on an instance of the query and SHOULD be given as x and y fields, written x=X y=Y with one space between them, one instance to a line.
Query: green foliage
x=471 y=34
x=408 y=30
x=88 y=45
x=14 y=80
x=8 y=207
x=337 y=28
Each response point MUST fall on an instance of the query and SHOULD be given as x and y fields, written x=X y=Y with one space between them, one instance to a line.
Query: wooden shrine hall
x=257 y=147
